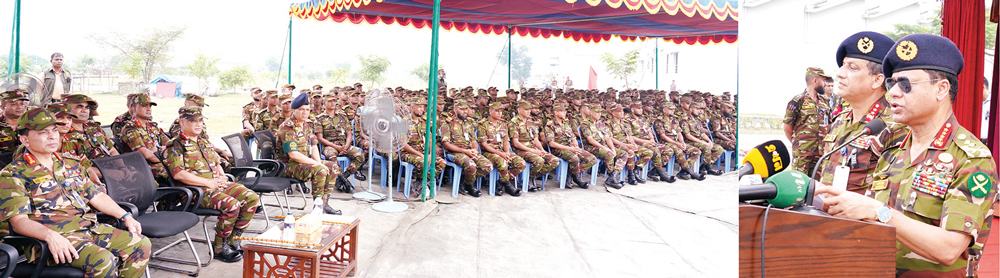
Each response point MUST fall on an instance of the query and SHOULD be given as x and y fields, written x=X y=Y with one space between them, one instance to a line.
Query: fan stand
x=390 y=206
x=368 y=194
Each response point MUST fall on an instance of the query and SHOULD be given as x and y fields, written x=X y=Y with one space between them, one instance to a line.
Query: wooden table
x=336 y=258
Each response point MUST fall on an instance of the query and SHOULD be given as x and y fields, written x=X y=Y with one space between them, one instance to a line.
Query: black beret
x=300 y=100
x=865 y=45
x=923 y=51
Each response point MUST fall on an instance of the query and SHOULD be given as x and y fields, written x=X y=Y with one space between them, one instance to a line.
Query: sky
x=250 y=32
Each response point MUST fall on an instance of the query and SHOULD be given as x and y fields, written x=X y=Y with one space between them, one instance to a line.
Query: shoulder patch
x=980 y=185
x=972 y=146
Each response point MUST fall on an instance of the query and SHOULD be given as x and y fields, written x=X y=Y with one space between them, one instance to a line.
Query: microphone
x=875 y=126
x=783 y=189
x=765 y=159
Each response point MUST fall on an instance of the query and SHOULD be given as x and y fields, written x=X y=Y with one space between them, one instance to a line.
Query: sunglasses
x=904 y=83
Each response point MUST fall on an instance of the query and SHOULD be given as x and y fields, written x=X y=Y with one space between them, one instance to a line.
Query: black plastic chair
x=139 y=191
x=33 y=270
x=260 y=182
x=265 y=144
x=8 y=260
x=197 y=194
x=6 y=158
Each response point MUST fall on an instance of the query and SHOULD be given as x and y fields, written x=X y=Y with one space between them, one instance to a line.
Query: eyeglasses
x=904 y=83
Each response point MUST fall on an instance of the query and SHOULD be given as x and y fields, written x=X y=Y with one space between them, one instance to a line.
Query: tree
x=203 y=67
x=423 y=71
x=520 y=62
x=372 y=68
x=934 y=27
x=85 y=62
x=621 y=67
x=338 y=75
x=235 y=77
x=148 y=51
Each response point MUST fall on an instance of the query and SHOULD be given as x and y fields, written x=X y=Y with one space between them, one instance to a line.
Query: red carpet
x=989 y=266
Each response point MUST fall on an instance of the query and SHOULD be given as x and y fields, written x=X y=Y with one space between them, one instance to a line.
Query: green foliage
x=338 y=75
x=621 y=67
x=203 y=66
x=237 y=76
x=132 y=65
x=372 y=68
x=520 y=63
x=423 y=72
x=84 y=62
x=934 y=27
x=149 y=51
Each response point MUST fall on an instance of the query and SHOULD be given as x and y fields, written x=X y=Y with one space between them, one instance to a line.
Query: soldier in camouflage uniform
x=264 y=115
x=142 y=135
x=938 y=187
x=413 y=151
x=807 y=120
x=524 y=131
x=248 y=112
x=642 y=133
x=13 y=103
x=175 y=129
x=860 y=59
x=458 y=135
x=696 y=134
x=622 y=139
x=596 y=137
x=298 y=150
x=721 y=133
x=334 y=132
x=192 y=161
x=119 y=122
x=563 y=144
x=284 y=112
x=667 y=127
x=494 y=140
x=36 y=204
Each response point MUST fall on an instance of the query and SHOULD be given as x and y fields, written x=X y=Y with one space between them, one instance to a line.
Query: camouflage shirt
x=459 y=132
x=119 y=123
x=560 y=133
x=262 y=119
x=951 y=185
x=493 y=134
x=810 y=120
x=639 y=127
x=136 y=135
x=523 y=131
x=619 y=129
x=860 y=155
x=248 y=112
x=8 y=137
x=196 y=156
x=668 y=126
x=333 y=128
x=692 y=125
x=595 y=130
x=175 y=129
x=293 y=137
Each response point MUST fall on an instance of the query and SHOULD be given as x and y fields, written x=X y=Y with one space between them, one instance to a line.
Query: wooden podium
x=803 y=245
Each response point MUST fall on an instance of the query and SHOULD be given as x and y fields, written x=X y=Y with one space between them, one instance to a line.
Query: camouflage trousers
x=642 y=156
x=473 y=168
x=726 y=145
x=661 y=154
x=323 y=179
x=418 y=164
x=692 y=153
x=355 y=154
x=578 y=163
x=541 y=164
x=237 y=204
x=709 y=152
x=506 y=169
x=616 y=162
x=117 y=253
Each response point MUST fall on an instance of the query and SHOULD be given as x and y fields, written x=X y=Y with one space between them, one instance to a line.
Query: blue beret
x=923 y=51
x=300 y=100
x=866 y=45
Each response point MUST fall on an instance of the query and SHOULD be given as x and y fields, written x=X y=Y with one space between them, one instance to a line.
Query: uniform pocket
x=926 y=206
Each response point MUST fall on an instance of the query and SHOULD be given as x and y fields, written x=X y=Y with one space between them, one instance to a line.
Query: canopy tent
x=679 y=21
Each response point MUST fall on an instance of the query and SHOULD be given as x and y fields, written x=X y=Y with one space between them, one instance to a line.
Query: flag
x=592 y=79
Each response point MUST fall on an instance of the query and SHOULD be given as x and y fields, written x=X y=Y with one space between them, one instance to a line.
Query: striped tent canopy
x=679 y=21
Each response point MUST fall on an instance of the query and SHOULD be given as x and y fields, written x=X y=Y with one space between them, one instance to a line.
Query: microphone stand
x=806 y=206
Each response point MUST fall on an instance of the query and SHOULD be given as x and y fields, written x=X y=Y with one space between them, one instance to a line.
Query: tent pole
x=290 y=51
x=656 y=68
x=430 y=135
x=509 y=52
x=15 y=58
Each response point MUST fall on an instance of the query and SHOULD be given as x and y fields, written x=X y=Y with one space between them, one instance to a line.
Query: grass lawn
x=222 y=115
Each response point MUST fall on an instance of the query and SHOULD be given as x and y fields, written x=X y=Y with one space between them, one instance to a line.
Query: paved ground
x=683 y=229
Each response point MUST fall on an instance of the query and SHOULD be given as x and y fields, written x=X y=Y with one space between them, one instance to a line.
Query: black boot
x=471 y=190
x=612 y=181
x=236 y=243
x=703 y=169
x=638 y=175
x=532 y=187
x=652 y=176
x=227 y=254
x=358 y=175
x=663 y=175
x=695 y=174
x=630 y=175
x=499 y=188
x=683 y=174
x=712 y=170
x=328 y=209
x=512 y=188
x=348 y=187
x=578 y=182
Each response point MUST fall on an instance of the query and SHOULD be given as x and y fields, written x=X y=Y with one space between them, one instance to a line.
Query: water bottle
x=317 y=206
x=288 y=230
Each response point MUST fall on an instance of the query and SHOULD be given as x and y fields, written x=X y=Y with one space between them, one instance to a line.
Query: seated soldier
x=458 y=136
x=413 y=151
x=142 y=135
x=298 y=150
x=495 y=143
x=46 y=197
x=334 y=133
x=192 y=161
x=13 y=103
x=175 y=129
x=119 y=122
x=562 y=140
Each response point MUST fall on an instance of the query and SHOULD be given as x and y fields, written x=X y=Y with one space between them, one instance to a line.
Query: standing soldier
x=459 y=137
x=248 y=112
x=667 y=127
x=334 y=133
x=299 y=152
x=597 y=140
x=13 y=103
x=622 y=139
x=861 y=85
x=560 y=138
x=495 y=143
x=938 y=187
x=524 y=132
x=142 y=135
x=192 y=161
x=46 y=197
x=807 y=120
x=413 y=151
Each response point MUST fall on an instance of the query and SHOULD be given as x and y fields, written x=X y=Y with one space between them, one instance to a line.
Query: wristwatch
x=883 y=214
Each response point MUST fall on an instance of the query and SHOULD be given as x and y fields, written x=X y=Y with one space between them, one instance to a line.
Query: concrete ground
x=657 y=229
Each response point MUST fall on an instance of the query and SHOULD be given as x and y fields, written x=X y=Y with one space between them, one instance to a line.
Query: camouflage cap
x=59 y=110
x=16 y=94
x=270 y=93
x=496 y=105
x=79 y=98
x=559 y=106
x=196 y=99
x=614 y=107
x=318 y=87
x=527 y=105
x=417 y=100
x=815 y=70
x=290 y=86
x=255 y=90
x=35 y=119
x=316 y=94
x=191 y=113
x=141 y=99
x=285 y=98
